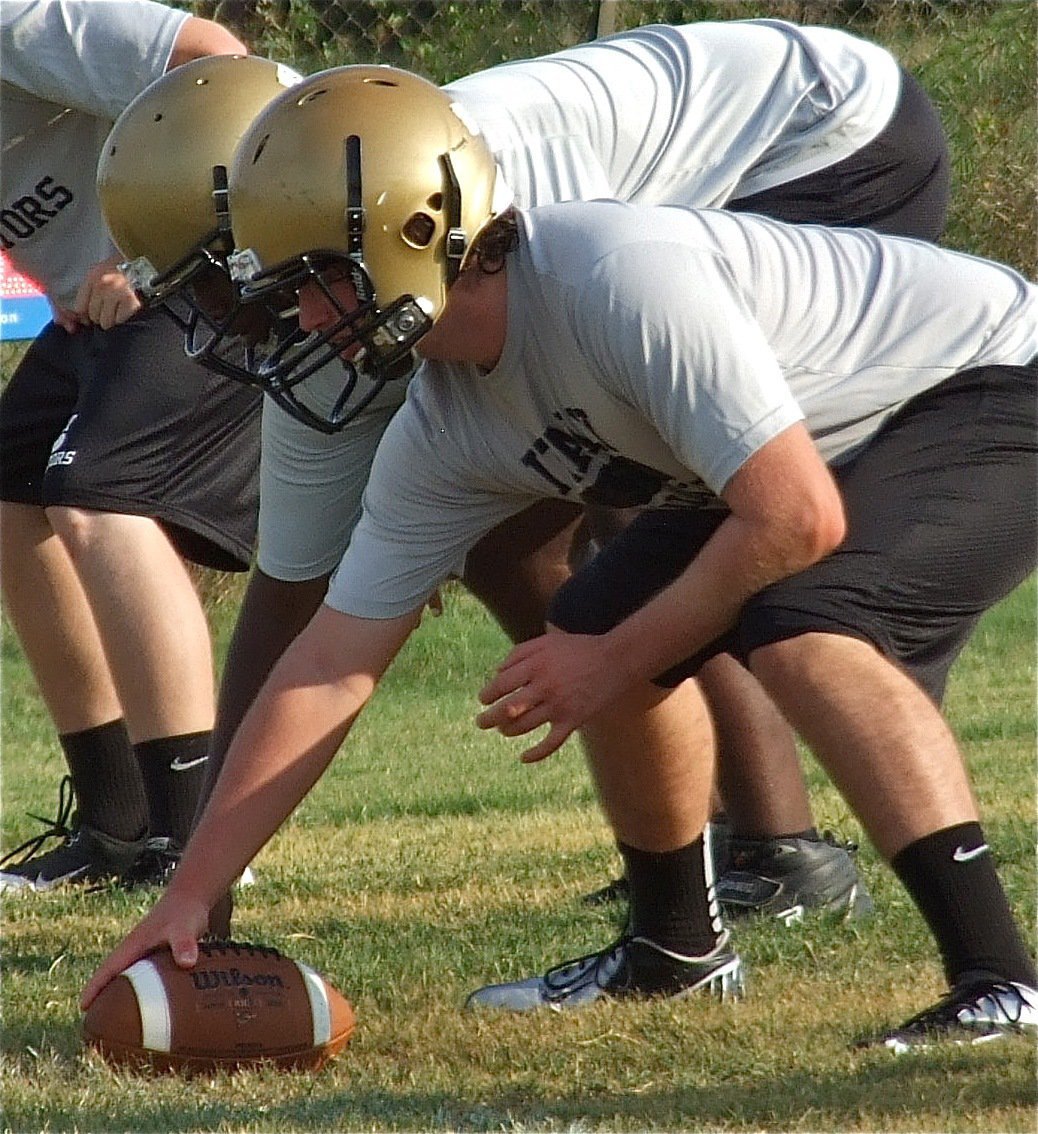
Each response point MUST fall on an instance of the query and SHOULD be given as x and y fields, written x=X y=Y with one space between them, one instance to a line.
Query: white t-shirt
x=695 y=115
x=69 y=68
x=688 y=115
x=649 y=354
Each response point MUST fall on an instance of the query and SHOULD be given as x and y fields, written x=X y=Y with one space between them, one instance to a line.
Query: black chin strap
x=454 y=249
x=354 y=200
x=221 y=206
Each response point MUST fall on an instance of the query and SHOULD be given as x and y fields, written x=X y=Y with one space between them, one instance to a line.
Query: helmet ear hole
x=418 y=230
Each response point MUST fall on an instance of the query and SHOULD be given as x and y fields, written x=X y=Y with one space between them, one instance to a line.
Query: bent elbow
x=825 y=527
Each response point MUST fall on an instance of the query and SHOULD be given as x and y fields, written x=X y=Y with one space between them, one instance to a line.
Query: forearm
x=272 y=614
x=786 y=514
x=703 y=602
x=285 y=743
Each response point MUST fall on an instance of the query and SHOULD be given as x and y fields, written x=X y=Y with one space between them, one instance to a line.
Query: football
x=241 y=1005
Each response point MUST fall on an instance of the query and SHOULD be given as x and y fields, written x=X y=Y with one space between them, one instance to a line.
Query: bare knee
x=90 y=531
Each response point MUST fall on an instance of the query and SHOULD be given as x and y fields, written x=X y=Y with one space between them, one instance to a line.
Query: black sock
x=107 y=782
x=952 y=879
x=173 y=768
x=672 y=901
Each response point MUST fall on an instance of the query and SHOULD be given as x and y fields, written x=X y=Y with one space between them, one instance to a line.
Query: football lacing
x=220 y=945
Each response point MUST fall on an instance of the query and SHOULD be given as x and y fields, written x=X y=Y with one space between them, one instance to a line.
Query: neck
x=474 y=321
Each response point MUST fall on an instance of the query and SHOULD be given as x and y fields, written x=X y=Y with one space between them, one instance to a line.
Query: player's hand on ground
x=105 y=297
x=172 y=922
x=561 y=679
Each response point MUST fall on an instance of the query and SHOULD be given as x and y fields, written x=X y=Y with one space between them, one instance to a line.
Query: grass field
x=428 y=861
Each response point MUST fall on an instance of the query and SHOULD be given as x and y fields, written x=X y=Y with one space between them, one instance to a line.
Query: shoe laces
x=63 y=826
x=834 y=840
x=749 y=853
x=599 y=969
x=987 y=1002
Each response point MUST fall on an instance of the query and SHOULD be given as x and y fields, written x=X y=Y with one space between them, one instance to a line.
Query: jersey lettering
x=59 y=454
x=23 y=218
x=58 y=195
x=572 y=458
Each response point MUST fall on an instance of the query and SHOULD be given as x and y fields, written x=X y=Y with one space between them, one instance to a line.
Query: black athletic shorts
x=899 y=183
x=122 y=421
x=941 y=513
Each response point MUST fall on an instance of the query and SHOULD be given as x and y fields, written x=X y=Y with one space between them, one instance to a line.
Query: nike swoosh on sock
x=178 y=765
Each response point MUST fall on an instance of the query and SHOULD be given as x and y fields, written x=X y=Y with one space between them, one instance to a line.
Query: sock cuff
x=181 y=743
x=960 y=839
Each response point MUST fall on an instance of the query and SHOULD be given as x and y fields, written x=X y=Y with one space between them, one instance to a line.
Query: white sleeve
x=689 y=354
x=424 y=508
x=92 y=56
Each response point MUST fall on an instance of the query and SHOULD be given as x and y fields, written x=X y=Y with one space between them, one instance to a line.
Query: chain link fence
x=444 y=39
x=440 y=39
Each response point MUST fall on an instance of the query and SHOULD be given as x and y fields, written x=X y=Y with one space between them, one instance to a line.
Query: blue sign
x=24 y=311
x=23 y=317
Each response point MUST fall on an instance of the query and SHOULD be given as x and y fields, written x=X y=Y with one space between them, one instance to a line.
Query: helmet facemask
x=380 y=340
x=397 y=241
x=165 y=202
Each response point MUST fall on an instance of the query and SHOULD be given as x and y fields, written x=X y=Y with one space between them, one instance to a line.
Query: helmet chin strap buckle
x=401 y=325
x=243 y=264
x=140 y=273
x=455 y=241
x=454 y=249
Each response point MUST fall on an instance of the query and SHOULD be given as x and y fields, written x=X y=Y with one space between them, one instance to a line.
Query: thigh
x=941 y=525
x=312 y=483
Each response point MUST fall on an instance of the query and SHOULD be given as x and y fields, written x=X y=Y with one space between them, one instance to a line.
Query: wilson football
x=240 y=1005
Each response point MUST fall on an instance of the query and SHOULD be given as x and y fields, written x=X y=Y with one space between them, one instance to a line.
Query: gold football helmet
x=162 y=186
x=366 y=173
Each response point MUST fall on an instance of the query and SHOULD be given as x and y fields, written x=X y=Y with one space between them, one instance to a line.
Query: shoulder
x=586 y=243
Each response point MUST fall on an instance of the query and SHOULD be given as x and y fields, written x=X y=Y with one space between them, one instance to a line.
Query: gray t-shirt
x=69 y=68
x=649 y=353
x=693 y=115
x=664 y=115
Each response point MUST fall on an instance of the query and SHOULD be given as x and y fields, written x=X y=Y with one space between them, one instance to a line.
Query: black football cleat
x=630 y=967
x=788 y=877
x=980 y=1008
x=83 y=854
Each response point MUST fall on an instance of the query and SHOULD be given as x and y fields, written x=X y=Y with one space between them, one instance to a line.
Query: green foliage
x=441 y=39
